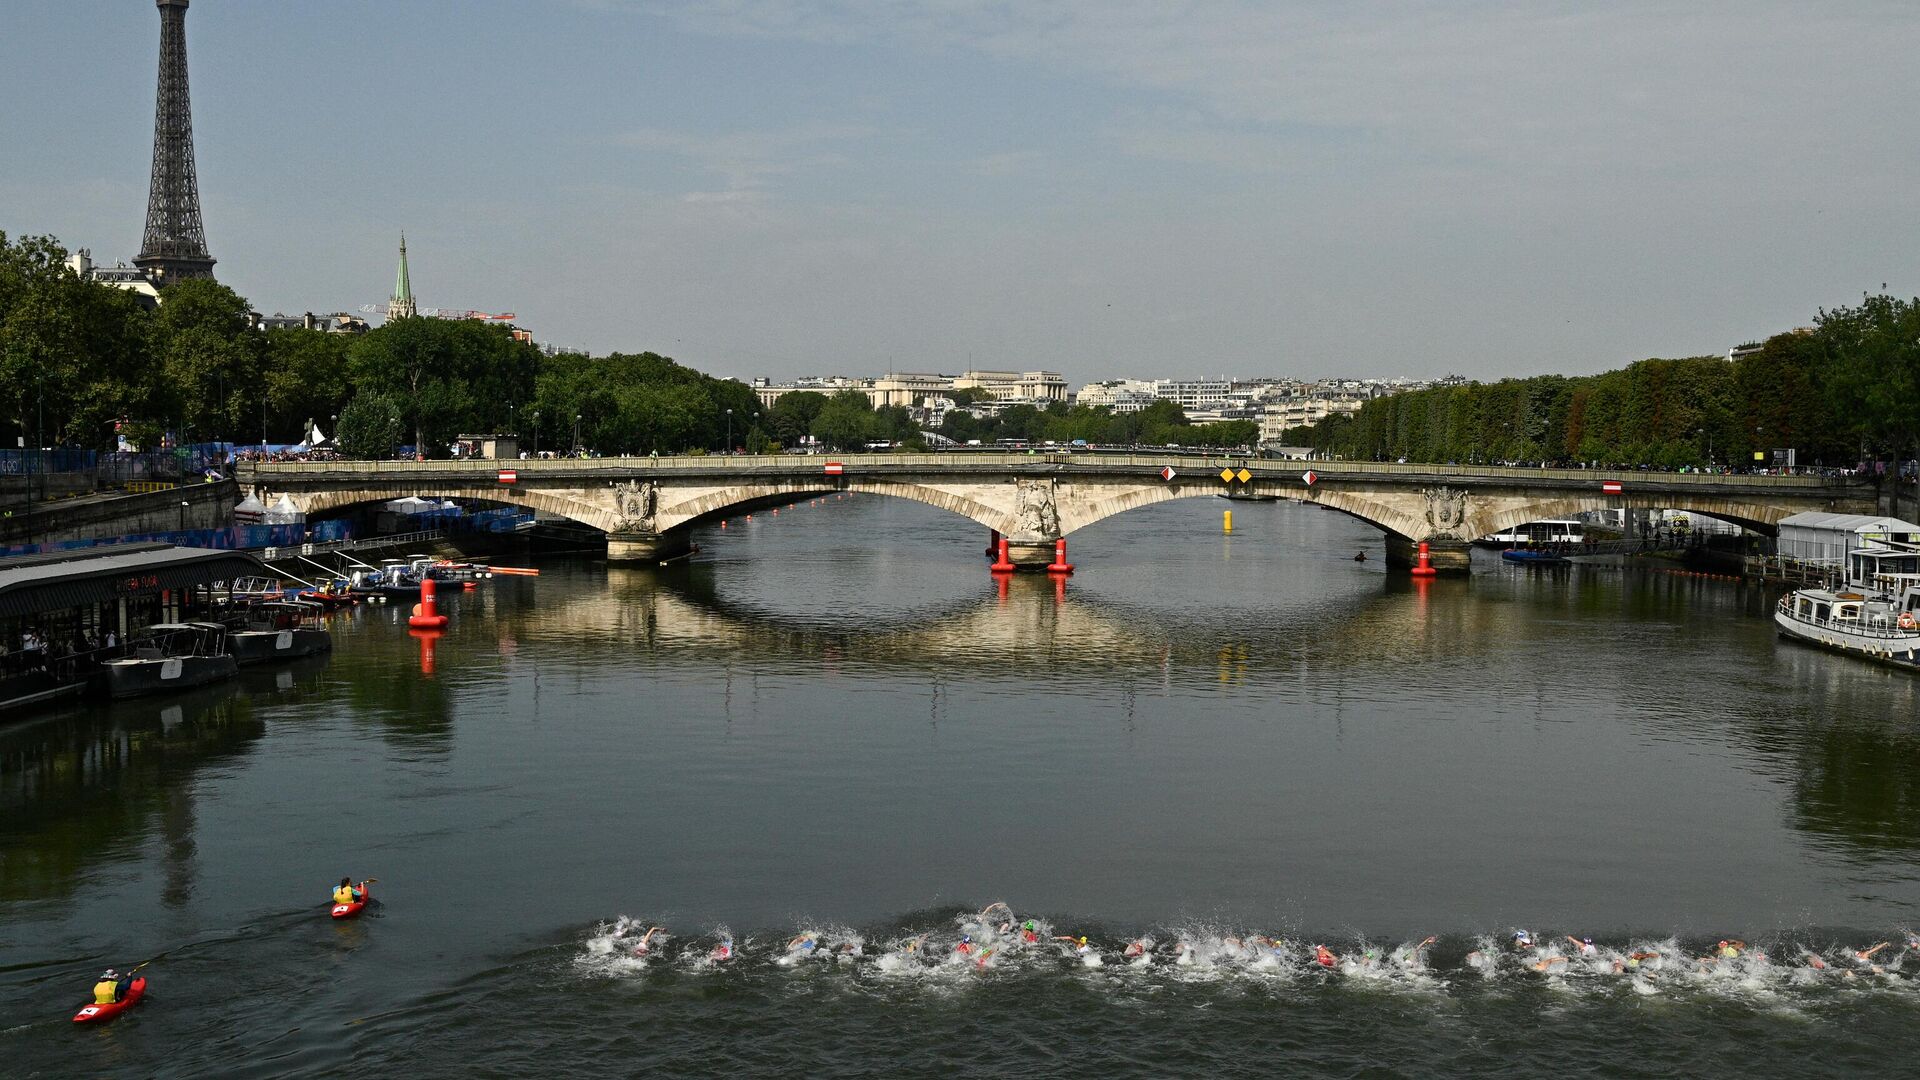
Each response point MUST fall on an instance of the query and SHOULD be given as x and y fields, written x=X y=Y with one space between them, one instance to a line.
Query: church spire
x=401 y=305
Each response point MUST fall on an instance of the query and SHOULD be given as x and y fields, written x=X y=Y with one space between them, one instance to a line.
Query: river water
x=835 y=723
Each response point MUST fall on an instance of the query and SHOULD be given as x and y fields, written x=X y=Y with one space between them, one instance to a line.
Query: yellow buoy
x=1226 y=521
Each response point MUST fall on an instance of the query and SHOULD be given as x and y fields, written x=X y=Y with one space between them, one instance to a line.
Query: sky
x=1104 y=188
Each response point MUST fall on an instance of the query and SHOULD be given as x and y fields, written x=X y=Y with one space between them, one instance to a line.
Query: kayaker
x=349 y=893
x=111 y=987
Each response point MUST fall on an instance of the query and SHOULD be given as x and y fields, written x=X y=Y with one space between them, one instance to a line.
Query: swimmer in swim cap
x=1584 y=944
x=1324 y=956
x=722 y=951
x=1522 y=940
x=642 y=948
x=1029 y=932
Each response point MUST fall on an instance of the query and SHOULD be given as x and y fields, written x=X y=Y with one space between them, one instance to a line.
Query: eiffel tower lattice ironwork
x=175 y=244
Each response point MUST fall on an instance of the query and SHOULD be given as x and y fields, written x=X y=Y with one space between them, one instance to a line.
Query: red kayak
x=107 y=1012
x=348 y=911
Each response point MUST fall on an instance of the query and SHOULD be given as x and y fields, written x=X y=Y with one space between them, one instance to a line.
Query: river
x=833 y=722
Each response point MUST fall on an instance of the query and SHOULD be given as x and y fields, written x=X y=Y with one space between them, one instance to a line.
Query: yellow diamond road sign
x=1243 y=476
x=1226 y=476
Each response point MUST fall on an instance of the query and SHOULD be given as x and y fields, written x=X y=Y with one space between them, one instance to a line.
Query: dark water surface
x=834 y=723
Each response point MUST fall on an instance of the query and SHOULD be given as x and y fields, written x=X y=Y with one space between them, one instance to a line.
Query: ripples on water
x=837 y=711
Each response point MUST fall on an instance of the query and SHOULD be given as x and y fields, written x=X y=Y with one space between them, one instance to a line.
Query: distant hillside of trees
x=1845 y=390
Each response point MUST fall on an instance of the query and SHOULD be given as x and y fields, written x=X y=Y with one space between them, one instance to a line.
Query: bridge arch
x=557 y=503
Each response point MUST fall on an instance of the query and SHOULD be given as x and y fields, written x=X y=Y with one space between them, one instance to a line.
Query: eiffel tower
x=175 y=244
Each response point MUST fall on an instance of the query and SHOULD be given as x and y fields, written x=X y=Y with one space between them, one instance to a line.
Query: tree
x=306 y=378
x=846 y=421
x=369 y=426
x=793 y=413
x=209 y=354
x=448 y=376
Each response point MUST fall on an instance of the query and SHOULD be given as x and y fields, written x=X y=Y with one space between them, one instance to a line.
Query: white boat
x=278 y=630
x=172 y=656
x=1875 y=615
x=1548 y=531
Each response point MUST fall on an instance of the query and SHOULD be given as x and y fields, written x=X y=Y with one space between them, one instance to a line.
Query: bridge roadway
x=647 y=507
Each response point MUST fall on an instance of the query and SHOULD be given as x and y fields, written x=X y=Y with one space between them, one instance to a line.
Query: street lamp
x=729 y=431
x=183 y=514
x=536 y=433
x=576 y=433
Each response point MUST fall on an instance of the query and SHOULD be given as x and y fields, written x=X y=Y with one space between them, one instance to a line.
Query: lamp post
x=183 y=514
x=536 y=433
x=576 y=434
x=263 y=425
x=729 y=431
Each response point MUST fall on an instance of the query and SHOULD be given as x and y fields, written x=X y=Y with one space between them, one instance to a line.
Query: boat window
x=1819 y=613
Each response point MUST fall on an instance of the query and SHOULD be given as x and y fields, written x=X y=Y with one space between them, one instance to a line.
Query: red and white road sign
x=834 y=468
x=509 y=476
x=1309 y=476
x=1611 y=487
x=1168 y=473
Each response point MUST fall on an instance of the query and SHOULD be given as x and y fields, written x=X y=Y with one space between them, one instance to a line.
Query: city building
x=119 y=276
x=339 y=322
x=1031 y=386
x=1120 y=395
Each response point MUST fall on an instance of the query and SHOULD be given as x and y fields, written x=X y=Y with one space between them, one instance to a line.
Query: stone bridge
x=648 y=507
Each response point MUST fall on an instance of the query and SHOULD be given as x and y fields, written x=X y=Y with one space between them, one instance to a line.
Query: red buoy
x=424 y=616
x=1003 y=565
x=1060 y=565
x=1425 y=566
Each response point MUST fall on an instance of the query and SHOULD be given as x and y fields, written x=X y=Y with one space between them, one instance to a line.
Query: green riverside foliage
x=76 y=356
x=1846 y=389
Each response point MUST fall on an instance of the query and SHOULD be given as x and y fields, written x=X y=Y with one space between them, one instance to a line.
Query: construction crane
x=447 y=313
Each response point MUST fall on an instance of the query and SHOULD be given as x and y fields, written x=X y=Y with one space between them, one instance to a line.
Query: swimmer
x=1724 y=950
x=805 y=944
x=1633 y=961
x=1585 y=945
x=851 y=950
x=722 y=952
x=1005 y=922
x=1324 y=957
x=642 y=948
x=1080 y=946
x=1865 y=955
x=1521 y=940
x=965 y=946
x=1413 y=958
x=1135 y=949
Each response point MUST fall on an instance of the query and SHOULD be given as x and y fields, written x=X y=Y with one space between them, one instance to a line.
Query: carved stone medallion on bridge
x=637 y=503
x=1037 y=515
x=1446 y=512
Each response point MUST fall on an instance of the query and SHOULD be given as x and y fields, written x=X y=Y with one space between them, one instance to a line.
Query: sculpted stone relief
x=1036 y=511
x=1446 y=512
x=637 y=503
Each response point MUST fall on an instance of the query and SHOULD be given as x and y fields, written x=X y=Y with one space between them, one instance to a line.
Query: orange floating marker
x=1060 y=565
x=1003 y=565
x=1424 y=568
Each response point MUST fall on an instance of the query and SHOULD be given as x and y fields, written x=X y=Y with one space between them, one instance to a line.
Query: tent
x=283 y=512
x=251 y=511
x=412 y=504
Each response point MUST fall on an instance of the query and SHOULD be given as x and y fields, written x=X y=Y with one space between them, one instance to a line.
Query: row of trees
x=1842 y=391
x=78 y=357
x=79 y=360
